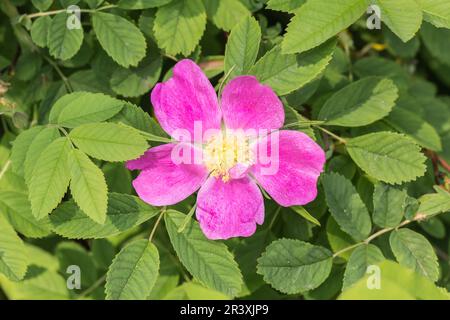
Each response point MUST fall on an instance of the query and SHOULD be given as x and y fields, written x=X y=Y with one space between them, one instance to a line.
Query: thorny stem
x=175 y=260
x=66 y=134
x=53 y=12
x=341 y=140
x=187 y=219
x=94 y=286
x=150 y=238
x=60 y=73
x=148 y=136
x=154 y=138
x=348 y=248
x=303 y=123
x=275 y=216
x=316 y=124
x=376 y=235
x=171 y=57
x=224 y=79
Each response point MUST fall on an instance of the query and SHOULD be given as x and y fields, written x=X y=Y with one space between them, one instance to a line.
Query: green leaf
x=285 y=5
x=360 y=259
x=242 y=47
x=39 y=284
x=42 y=5
x=168 y=278
x=434 y=203
x=247 y=251
x=86 y=107
x=103 y=252
x=118 y=177
x=134 y=116
x=89 y=81
x=13 y=253
x=294 y=266
x=389 y=205
x=137 y=81
x=397 y=283
x=61 y=104
x=403 y=17
x=41 y=258
x=93 y=3
x=294 y=119
x=194 y=291
x=338 y=239
x=179 y=26
x=120 y=38
x=285 y=73
x=436 y=12
x=399 y=48
x=66 y=3
x=63 y=43
x=20 y=148
x=387 y=156
x=382 y=67
x=434 y=227
x=146 y=22
x=305 y=214
x=109 y=141
x=88 y=186
x=208 y=261
x=50 y=178
x=124 y=212
x=72 y=253
x=133 y=272
x=411 y=207
x=42 y=140
x=12 y=182
x=27 y=66
x=360 y=103
x=40 y=29
x=435 y=40
x=17 y=209
x=413 y=250
x=141 y=4
x=317 y=21
x=343 y=165
x=226 y=14
x=405 y=118
x=346 y=206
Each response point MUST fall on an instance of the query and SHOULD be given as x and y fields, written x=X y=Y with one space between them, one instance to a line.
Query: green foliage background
x=74 y=105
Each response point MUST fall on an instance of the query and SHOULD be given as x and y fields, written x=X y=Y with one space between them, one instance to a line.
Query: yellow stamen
x=224 y=151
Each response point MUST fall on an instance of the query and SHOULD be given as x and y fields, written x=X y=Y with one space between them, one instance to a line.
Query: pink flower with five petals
x=229 y=202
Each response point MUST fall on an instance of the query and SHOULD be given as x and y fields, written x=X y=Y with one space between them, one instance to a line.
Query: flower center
x=224 y=151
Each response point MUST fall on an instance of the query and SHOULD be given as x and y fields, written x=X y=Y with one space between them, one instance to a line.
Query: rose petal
x=247 y=104
x=186 y=98
x=296 y=169
x=229 y=209
x=163 y=182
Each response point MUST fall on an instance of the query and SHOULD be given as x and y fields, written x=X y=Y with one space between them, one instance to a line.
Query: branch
x=152 y=233
x=376 y=235
x=335 y=136
x=53 y=12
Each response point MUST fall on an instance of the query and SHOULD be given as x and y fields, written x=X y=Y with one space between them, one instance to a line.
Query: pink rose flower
x=229 y=202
